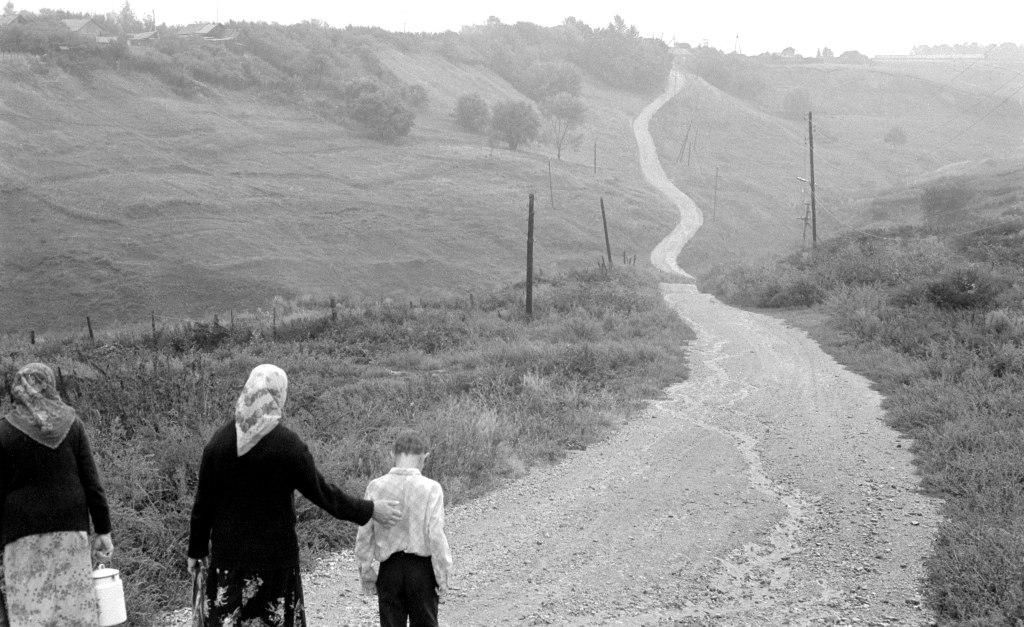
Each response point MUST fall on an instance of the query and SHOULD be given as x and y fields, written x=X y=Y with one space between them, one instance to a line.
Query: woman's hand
x=194 y=565
x=386 y=513
x=102 y=547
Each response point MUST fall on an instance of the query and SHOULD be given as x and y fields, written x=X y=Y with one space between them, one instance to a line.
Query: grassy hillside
x=120 y=196
x=948 y=114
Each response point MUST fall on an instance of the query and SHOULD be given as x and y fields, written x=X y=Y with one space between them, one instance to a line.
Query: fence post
x=334 y=312
x=274 y=324
x=88 y=323
x=32 y=336
x=607 y=244
x=529 y=260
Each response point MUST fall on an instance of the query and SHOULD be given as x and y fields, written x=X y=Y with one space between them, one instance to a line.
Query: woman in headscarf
x=244 y=512
x=50 y=489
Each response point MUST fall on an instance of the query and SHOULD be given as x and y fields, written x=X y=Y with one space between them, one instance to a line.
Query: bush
x=514 y=122
x=964 y=289
x=545 y=79
x=381 y=111
x=942 y=202
x=471 y=113
x=896 y=136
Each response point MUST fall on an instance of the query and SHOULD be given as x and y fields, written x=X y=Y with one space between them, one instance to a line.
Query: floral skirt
x=48 y=580
x=258 y=597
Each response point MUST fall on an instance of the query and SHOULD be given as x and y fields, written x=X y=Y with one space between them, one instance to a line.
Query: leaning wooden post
x=88 y=323
x=607 y=243
x=529 y=260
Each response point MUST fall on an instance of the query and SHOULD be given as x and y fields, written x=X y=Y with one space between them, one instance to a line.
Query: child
x=413 y=554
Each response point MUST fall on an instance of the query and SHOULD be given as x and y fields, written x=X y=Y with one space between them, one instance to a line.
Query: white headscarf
x=260 y=407
x=38 y=412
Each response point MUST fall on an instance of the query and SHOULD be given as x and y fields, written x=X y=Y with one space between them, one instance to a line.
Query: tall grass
x=937 y=321
x=494 y=392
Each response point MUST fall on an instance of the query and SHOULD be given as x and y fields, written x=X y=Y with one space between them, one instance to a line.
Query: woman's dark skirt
x=266 y=596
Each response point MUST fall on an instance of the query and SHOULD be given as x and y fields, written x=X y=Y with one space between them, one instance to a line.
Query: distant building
x=11 y=20
x=85 y=26
x=143 y=39
x=206 y=30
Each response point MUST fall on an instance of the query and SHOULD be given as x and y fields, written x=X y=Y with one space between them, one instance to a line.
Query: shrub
x=543 y=80
x=471 y=113
x=963 y=289
x=896 y=136
x=514 y=122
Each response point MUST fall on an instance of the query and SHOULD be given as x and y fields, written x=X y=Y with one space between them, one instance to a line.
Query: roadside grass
x=494 y=392
x=935 y=317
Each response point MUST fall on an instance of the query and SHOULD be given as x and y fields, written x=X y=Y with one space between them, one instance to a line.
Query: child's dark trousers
x=407 y=591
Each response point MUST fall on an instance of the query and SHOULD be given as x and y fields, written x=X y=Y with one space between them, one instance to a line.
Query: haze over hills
x=157 y=181
x=947 y=112
x=123 y=195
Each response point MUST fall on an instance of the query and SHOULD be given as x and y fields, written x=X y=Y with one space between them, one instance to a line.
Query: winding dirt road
x=764 y=490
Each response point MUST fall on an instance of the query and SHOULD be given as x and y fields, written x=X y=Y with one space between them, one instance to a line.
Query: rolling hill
x=952 y=115
x=120 y=196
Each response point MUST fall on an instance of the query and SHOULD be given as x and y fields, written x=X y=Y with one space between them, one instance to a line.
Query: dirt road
x=764 y=490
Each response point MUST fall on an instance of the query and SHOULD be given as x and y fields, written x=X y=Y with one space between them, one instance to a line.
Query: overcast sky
x=870 y=26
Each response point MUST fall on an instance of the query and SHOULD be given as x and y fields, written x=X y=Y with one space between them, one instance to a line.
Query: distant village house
x=85 y=26
x=207 y=30
x=11 y=20
x=143 y=39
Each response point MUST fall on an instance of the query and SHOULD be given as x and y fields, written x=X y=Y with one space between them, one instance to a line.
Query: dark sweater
x=46 y=490
x=245 y=506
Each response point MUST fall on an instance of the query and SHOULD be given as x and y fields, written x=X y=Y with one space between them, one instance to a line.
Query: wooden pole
x=232 y=319
x=152 y=322
x=274 y=324
x=32 y=336
x=88 y=323
x=607 y=242
x=814 y=214
x=529 y=260
x=714 y=207
x=334 y=311
x=551 y=186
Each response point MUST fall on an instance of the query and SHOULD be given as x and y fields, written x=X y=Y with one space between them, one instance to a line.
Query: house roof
x=141 y=36
x=77 y=24
x=199 y=29
x=7 y=20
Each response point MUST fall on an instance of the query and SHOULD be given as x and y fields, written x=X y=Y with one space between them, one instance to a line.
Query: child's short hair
x=410 y=442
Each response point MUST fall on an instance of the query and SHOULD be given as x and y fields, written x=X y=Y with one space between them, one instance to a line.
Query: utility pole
x=714 y=207
x=529 y=260
x=814 y=213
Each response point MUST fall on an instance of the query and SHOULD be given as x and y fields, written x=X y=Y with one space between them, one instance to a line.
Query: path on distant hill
x=765 y=489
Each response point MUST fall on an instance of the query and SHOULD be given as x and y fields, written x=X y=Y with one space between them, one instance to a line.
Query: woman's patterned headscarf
x=259 y=408
x=38 y=411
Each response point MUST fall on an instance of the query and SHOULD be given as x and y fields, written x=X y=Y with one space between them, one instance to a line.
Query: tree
x=826 y=54
x=9 y=8
x=127 y=20
x=563 y=113
x=471 y=113
x=514 y=122
x=545 y=79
